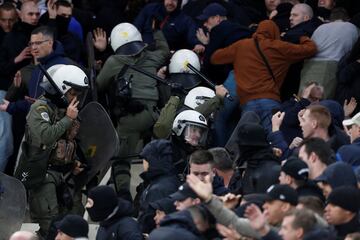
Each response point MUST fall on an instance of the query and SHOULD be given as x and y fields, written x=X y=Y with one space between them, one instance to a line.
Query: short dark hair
x=44 y=30
x=320 y=148
x=313 y=203
x=7 y=6
x=63 y=3
x=222 y=159
x=201 y=157
x=303 y=218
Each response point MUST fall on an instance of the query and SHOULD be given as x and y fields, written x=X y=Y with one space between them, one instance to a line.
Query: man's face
x=193 y=135
x=170 y=5
x=325 y=188
x=64 y=11
x=273 y=211
x=297 y=16
x=353 y=131
x=307 y=124
x=30 y=14
x=41 y=45
x=184 y=204
x=159 y=215
x=63 y=236
x=271 y=4
x=202 y=170
x=328 y=4
x=287 y=232
x=284 y=178
x=7 y=20
x=306 y=158
x=336 y=215
x=212 y=22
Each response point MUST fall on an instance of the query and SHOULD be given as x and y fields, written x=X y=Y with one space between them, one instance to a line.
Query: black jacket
x=121 y=225
x=161 y=179
x=348 y=81
x=178 y=28
x=13 y=44
x=176 y=226
x=350 y=227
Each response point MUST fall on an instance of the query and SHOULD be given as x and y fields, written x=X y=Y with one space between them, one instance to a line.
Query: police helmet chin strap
x=53 y=84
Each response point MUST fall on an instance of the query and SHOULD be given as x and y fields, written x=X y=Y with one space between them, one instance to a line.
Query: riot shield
x=12 y=205
x=97 y=140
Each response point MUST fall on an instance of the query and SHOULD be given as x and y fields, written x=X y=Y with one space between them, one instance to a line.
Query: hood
x=336 y=111
x=158 y=154
x=125 y=209
x=267 y=30
x=180 y=219
x=338 y=174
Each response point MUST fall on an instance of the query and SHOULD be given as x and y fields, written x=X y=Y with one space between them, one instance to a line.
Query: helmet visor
x=195 y=134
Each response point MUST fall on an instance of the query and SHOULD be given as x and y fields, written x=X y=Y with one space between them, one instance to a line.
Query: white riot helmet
x=125 y=39
x=65 y=77
x=192 y=125
x=198 y=96
x=180 y=73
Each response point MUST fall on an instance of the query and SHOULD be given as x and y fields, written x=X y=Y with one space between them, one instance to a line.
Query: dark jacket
x=121 y=225
x=350 y=227
x=221 y=36
x=350 y=153
x=348 y=81
x=13 y=44
x=176 y=226
x=34 y=89
x=178 y=28
x=262 y=171
x=160 y=178
x=306 y=28
x=235 y=13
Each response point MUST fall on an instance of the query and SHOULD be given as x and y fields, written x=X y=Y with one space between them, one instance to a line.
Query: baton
x=153 y=76
x=197 y=72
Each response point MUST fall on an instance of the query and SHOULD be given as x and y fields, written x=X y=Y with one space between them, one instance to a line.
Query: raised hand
x=202 y=189
x=202 y=37
x=99 y=39
x=72 y=111
x=25 y=54
x=277 y=120
x=349 y=107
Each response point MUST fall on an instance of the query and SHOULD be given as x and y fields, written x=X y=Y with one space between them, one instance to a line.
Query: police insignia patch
x=45 y=116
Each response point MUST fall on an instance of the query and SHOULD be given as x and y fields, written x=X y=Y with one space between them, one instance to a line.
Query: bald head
x=29 y=13
x=300 y=13
x=23 y=235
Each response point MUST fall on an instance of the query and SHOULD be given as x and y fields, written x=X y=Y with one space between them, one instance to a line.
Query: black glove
x=177 y=90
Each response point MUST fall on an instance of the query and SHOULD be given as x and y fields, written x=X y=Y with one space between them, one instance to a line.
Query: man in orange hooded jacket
x=259 y=89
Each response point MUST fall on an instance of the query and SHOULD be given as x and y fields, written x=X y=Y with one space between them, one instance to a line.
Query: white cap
x=354 y=120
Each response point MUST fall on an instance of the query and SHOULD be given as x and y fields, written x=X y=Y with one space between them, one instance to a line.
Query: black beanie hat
x=105 y=202
x=346 y=197
x=74 y=226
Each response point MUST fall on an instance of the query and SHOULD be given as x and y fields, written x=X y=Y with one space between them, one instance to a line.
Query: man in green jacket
x=49 y=149
x=135 y=96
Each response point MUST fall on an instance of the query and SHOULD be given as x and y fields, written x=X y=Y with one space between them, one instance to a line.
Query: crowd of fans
x=244 y=114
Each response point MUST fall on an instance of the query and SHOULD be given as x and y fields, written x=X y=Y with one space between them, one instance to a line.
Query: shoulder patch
x=45 y=116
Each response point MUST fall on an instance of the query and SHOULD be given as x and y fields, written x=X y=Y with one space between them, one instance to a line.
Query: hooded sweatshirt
x=252 y=76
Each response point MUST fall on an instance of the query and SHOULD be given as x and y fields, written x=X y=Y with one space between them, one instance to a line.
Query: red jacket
x=253 y=79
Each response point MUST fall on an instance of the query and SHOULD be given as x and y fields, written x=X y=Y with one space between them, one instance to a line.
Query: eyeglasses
x=37 y=43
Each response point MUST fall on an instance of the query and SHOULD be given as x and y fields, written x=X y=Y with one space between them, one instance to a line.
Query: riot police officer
x=48 y=151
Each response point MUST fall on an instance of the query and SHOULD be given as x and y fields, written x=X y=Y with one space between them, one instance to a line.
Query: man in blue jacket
x=178 y=28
